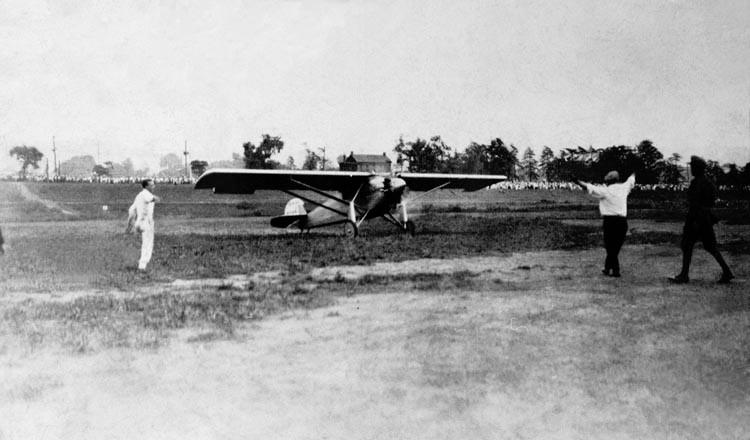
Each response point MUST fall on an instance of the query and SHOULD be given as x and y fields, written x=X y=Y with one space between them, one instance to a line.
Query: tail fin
x=293 y=213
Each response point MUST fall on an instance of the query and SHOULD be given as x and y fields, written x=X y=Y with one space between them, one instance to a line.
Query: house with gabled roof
x=374 y=163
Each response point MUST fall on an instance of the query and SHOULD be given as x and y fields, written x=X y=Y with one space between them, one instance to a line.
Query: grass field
x=202 y=235
x=492 y=322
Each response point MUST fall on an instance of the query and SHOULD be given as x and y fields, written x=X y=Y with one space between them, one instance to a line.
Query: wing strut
x=433 y=189
x=313 y=202
x=353 y=208
x=330 y=196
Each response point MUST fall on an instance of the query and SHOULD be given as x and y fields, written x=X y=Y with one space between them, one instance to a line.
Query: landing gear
x=406 y=226
x=350 y=229
x=409 y=227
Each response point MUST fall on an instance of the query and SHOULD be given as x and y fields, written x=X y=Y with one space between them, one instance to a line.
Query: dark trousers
x=615 y=228
x=700 y=228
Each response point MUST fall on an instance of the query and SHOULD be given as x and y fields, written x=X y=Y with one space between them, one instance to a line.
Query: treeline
x=590 y=164
x=430 y=156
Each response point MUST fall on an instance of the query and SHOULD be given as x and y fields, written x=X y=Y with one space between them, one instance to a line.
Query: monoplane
x=350 y=197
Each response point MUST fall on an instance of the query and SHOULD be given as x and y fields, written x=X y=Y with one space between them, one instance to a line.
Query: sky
x=142 y=78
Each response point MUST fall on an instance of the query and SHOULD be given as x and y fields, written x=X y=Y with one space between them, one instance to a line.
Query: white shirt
x=144 y=208
x=613 y=199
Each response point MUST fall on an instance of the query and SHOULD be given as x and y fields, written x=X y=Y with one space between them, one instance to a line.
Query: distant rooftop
x=365 y=158
x=377 y=163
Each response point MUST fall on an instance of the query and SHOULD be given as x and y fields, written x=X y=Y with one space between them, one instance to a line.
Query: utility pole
x=187 y=173
x=323 y=149
x=54 y=153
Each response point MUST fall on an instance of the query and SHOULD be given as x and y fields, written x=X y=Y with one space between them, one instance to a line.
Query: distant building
x=374 y=163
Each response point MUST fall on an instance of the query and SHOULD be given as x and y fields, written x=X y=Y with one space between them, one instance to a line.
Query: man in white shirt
x=141 y=216
x=613 y=207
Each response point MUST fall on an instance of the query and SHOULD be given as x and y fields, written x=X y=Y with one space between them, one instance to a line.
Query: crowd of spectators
x=545 y=185
x=538 y=185
x=98 y=179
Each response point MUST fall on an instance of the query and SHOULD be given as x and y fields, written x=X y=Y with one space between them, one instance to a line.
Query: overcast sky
x=139 y=78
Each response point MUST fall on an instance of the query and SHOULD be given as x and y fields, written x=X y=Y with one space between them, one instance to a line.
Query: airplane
x=362 y=195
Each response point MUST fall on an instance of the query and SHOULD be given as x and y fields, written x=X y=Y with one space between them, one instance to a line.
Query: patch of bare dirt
x=24 y=192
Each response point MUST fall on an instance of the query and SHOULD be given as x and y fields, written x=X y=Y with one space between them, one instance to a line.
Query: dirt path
x=416 y=365
x=26 y=194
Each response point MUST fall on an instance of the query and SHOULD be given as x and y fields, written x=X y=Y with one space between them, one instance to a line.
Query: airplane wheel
x=410 y=228
x=350 y=229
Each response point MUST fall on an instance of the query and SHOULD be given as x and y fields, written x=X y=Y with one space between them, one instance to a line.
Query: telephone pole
x=323 y=150
x=187 y=173
x=54 y=153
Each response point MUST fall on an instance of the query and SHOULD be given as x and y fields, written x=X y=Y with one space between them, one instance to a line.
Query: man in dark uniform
x=699 y=223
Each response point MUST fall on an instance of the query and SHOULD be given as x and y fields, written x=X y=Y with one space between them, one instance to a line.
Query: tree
x=502 y=159
x=78 y=166
x=260 y=157
x=733 y=176
x=621 y=158
x=651 y=162
x=125 y=169
x=312 y=160
x=170 y=161
x=290 y=165
x=423 y=156
x=171 y=166
x=670 y=172
x=238 y=161
x=27 y=156
x=455 y=163
x=474 y=159
x=128 y=169
x=325 y=162
x=495 y=158
x=198 y=167
x=545 y=161
x=529 y=165
x=565 y=167
x=715 y=173
x=745 y=175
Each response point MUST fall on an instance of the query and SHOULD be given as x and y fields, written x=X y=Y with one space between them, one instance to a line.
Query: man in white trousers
x=141 y=216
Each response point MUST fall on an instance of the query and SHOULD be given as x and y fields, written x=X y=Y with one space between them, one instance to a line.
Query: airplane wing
x=243 y=181
x=467 y=182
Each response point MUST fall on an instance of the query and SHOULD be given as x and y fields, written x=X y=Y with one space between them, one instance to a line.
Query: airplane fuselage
x=378 y=196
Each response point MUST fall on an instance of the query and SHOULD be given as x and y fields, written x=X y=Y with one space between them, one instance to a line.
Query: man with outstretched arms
x=613 y=207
